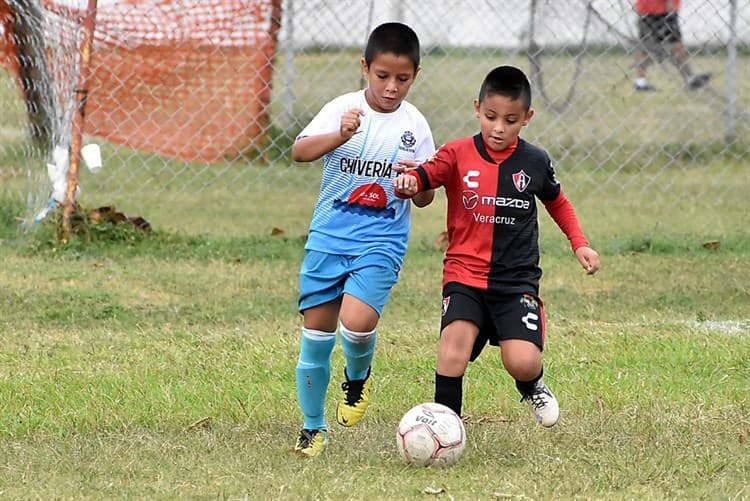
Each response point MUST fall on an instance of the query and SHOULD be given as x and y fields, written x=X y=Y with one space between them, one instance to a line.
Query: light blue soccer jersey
x=357 y=211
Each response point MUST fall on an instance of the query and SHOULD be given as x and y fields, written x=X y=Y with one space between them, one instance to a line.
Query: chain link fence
x=253 y=79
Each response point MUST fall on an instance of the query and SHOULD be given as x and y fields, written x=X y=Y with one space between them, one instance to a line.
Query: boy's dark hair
x=397 y=38
x=507 y=81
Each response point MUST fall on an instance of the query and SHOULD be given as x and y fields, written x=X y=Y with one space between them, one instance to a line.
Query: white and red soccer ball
x=431 y=434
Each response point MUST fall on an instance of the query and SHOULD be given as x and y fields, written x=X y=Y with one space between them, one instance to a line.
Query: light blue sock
x=359 y=350
x=313 y=375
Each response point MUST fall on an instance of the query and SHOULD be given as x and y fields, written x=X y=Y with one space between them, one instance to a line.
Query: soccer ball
x=431 y=434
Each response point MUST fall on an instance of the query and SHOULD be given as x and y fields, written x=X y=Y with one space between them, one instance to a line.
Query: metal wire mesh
x=247 y=106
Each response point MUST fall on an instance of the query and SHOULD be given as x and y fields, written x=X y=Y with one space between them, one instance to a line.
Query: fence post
x=81 y=94
x=731 y=134
x=289 y=70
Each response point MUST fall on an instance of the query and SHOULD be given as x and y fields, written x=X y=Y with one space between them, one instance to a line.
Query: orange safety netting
x=7 y=44
x=188 y=79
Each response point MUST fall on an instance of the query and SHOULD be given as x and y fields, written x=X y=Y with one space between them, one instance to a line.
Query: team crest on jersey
x=521 y=180
x=446 y=303
x=408 y=141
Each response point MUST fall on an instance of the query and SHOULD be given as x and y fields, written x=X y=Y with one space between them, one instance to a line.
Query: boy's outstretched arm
x=311 y=148
x=564 y=215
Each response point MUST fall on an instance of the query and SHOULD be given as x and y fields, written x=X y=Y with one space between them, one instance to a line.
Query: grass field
x=162 y=367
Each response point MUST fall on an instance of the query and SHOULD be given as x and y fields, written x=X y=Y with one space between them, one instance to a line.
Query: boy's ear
x=529 y=116
x=363 y=63
x=476 y=107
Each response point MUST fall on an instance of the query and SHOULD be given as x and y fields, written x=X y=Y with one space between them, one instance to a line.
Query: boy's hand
x=589 y=259
x=350 y=122
x=421 y=199
x=405 y=185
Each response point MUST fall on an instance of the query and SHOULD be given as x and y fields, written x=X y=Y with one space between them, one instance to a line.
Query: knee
x=524 y=371
x=452 y=360
x=358 y=319
x=522 y=360
x=454 y=351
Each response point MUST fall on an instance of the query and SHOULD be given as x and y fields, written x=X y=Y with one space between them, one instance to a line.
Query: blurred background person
x=660 y=38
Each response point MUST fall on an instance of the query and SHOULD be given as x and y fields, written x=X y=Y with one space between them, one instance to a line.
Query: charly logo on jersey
x=469 y=179
x=521 y=180
x=408 y=141
x=470 y=199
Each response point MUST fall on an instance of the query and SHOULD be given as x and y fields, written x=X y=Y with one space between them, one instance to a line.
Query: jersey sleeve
x=563 y=213
x=327 y=120
x=426 y=148
x=551 y=186
x=436 y=171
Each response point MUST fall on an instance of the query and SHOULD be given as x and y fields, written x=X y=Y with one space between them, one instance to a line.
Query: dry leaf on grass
x=711 y=244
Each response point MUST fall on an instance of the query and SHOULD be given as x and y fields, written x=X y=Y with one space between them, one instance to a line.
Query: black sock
x=526 y=387
x=449 y=391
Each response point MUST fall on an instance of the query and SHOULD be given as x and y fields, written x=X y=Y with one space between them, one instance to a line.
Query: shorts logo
x=521 y=180
x=529 y=321
x=446 y=303
x=470 y=199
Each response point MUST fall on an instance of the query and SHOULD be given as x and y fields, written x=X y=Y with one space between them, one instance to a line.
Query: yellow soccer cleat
x=311 y=442
x=352 y=409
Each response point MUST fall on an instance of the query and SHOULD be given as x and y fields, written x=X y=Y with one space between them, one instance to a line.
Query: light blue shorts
x=325 y=277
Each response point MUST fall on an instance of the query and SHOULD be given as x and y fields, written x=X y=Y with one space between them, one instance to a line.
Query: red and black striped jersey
x=493 y=231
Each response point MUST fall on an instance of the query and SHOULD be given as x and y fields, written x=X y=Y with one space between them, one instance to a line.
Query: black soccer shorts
x=499 y=316
x=659 y=29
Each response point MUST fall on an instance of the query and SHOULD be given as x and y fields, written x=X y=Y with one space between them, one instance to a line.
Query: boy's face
x=389 y=78
x=501 y=120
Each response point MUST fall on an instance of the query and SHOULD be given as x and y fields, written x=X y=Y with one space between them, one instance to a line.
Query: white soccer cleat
x=543 y=405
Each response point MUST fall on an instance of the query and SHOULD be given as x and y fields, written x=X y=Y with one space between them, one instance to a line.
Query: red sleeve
x=564 y=215
x=436 y=171
x=431 y=173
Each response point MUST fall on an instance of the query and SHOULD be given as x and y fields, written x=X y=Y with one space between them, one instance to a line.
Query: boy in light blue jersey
x=359 y=230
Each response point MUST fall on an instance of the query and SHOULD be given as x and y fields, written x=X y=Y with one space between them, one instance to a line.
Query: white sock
x=641 y=82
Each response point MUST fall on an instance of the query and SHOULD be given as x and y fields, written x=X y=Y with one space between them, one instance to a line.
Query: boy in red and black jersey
x=491 y=269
